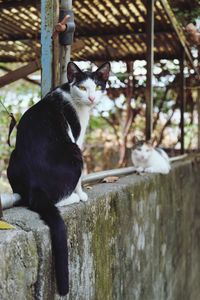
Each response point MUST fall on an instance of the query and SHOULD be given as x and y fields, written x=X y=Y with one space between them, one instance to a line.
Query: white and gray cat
x=147 y=158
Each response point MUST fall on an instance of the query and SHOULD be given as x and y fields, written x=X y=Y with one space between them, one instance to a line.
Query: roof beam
x=22 y=3
x=101 y=58
x=123 y=32
x=19 y=73
x=25 y=78
x=130 y=57
x=21 y=37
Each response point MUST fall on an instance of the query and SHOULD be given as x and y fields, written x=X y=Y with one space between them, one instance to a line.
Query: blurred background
x=121 y=114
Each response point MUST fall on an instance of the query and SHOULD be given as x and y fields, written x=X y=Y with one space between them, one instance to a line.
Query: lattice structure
x=108 y=30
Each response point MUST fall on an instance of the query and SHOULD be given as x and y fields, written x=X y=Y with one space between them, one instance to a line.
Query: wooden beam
x=25 y=78
x=129 y=115
x=150 y=62
x=21 y=3
x=179 y=33
x=182 y=100
x=124 y=33
x=20 y=37
x=87 y=35
x=100 y=58
x=19 y=73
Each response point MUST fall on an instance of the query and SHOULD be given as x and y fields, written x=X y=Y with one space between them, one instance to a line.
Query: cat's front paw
x=149 y=170
x=73 y=198
x=139 y=169
x=83 y=196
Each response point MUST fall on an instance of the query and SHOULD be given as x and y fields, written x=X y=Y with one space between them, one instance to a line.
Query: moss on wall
x=136 y=239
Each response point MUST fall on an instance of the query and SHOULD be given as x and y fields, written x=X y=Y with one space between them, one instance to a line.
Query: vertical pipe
x=150 y=62
x=65 y=51
x=46 y=42
x=48 y=10
x=182 y=99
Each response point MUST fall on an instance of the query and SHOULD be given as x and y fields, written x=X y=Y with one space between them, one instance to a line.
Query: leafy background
x=109 y=137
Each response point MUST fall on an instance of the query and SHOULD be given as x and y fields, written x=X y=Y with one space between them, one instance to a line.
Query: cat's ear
x=103 y=72
x=135 y=140
x=151 y=142
x=72 y=71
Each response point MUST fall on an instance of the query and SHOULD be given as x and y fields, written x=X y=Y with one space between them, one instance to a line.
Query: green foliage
x=4 y=148
x=96 y=122
x=16 y=97
x=186 y=12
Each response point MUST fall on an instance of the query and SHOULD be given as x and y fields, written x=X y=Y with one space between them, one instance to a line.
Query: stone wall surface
x=135 y=239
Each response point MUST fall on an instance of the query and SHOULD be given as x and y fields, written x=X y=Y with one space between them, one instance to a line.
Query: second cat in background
x=149 y=159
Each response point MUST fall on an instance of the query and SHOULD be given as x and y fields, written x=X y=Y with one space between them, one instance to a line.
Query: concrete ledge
x=134 y=239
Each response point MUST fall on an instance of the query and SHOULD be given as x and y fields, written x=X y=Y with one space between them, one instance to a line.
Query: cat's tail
x=40 y=203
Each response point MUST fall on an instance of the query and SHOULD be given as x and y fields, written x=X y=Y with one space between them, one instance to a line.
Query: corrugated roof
x=108 y=29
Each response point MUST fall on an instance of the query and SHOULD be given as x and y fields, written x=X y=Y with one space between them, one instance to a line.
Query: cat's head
x=142 y=150
x=87 y=87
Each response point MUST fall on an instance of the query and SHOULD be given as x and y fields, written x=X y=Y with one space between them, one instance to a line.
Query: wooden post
x=198 y=110
x=65 y=51
x=49 y=17
x=182 y=99
x=150 y=62
x=198 y=104
x=129 y=115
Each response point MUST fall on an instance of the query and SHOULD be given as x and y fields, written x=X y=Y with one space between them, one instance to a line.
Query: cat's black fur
x=46 y=165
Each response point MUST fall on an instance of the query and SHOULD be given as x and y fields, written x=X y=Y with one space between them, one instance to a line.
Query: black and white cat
x=148 y=159
x=46 y=164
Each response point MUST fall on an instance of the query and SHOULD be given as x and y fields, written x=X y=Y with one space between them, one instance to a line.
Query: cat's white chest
x=84 y=115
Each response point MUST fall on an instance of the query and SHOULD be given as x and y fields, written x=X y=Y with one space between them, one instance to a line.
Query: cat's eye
x=98 y=88
x=82 y=88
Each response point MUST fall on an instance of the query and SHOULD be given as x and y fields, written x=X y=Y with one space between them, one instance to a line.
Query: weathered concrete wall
x=134 y=239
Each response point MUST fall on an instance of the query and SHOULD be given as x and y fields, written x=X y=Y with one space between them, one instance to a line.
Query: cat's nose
x=91 y=98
